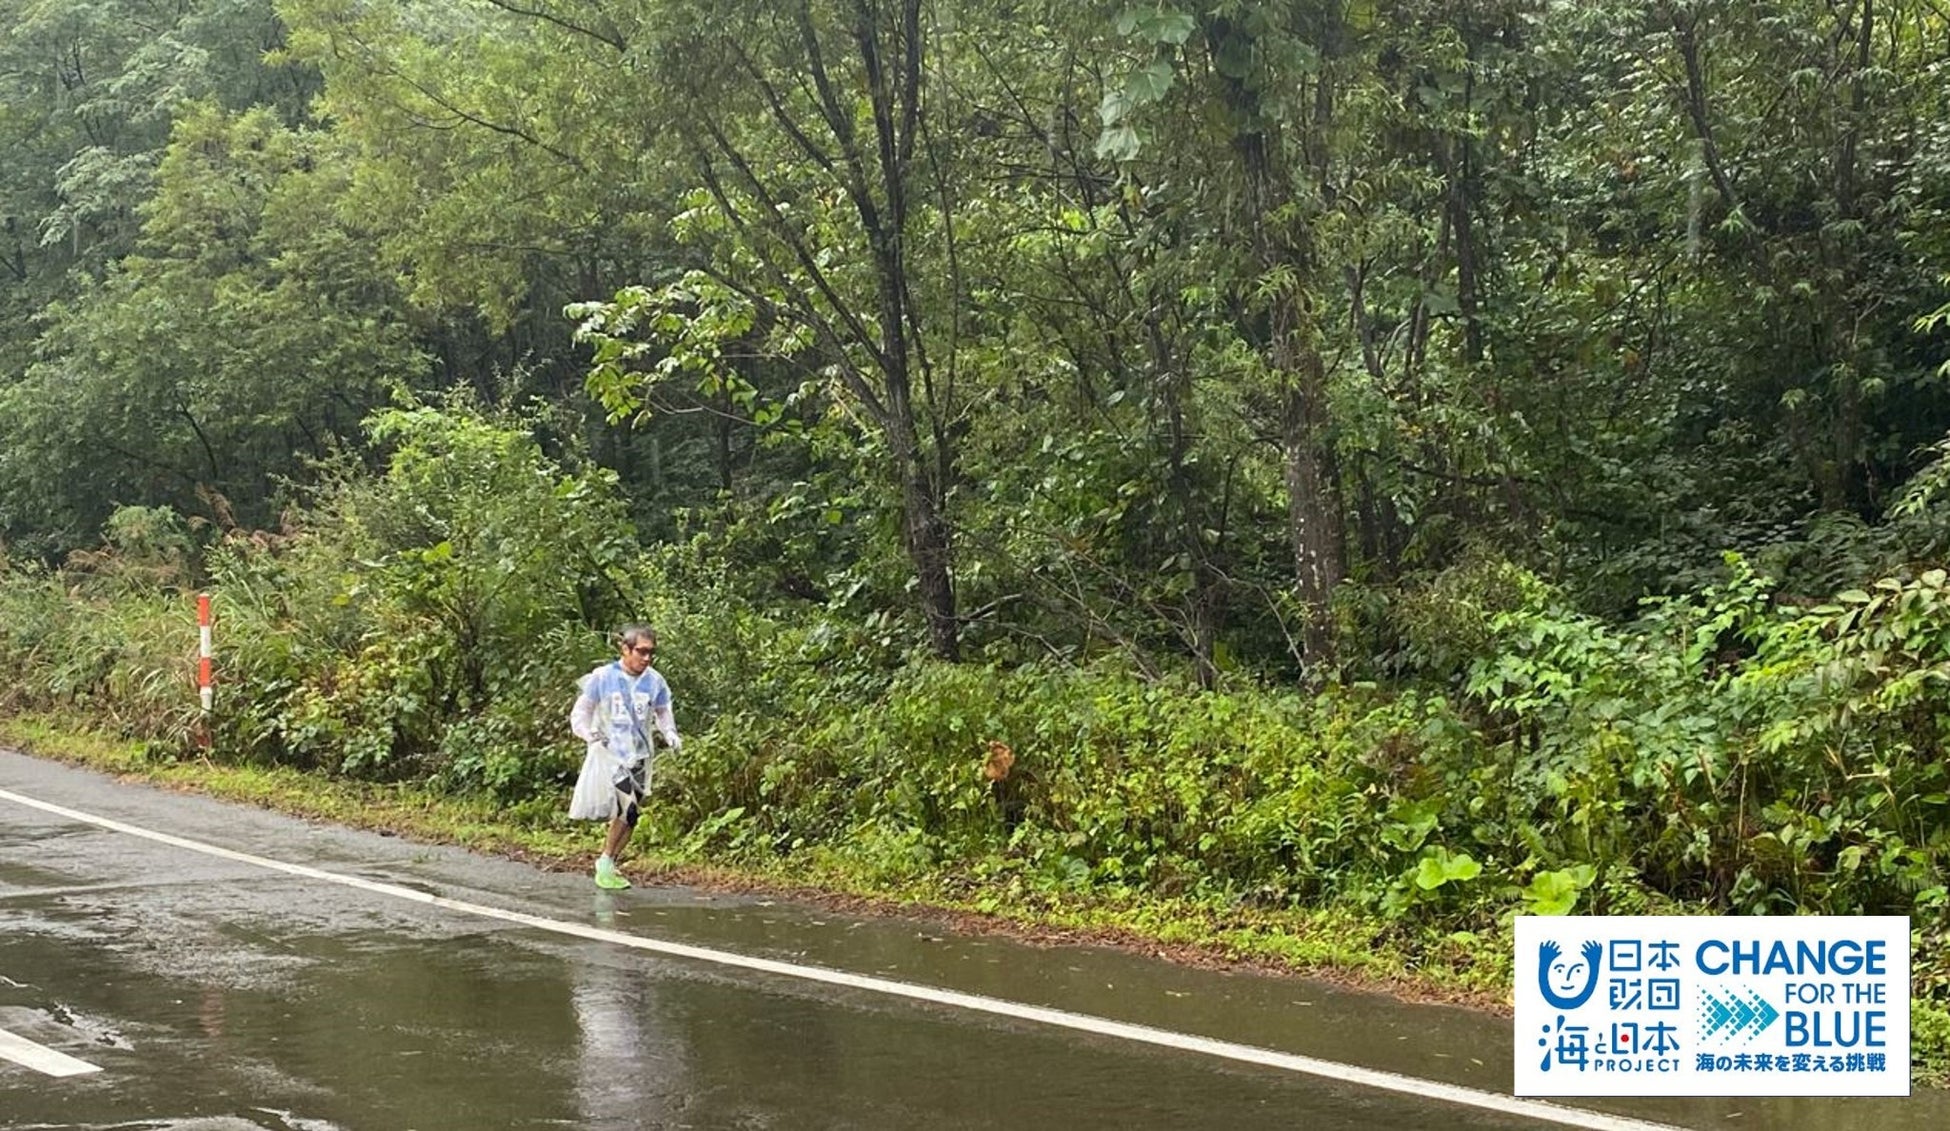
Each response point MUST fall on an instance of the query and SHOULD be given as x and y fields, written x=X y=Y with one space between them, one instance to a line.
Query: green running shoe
x=607 y=876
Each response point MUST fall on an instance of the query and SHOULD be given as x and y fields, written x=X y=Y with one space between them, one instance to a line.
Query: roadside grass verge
x=1327 y=944
x=1330 y=944
x=1417 y=963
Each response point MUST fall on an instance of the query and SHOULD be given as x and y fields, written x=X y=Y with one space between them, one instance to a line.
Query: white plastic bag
x=594 y=798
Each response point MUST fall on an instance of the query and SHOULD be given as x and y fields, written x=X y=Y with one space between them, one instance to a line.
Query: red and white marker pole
x=204 y=687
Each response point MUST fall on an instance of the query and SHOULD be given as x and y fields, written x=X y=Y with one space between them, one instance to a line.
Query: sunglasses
x=644 y=650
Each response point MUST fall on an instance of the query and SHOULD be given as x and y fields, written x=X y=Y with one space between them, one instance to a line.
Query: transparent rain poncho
x=616 y=715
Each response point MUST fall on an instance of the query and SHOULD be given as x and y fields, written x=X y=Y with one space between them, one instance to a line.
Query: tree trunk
x=1313 y=522
x=924 y=534
x=1293 y=356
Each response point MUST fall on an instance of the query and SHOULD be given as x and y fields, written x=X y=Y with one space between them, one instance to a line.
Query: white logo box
x=1665 y=1005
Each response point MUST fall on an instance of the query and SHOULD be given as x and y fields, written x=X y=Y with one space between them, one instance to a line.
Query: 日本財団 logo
x=1667 y=1005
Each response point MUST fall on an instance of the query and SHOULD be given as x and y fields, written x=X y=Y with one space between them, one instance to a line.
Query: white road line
x=40 y=1058
x=1143 y=1034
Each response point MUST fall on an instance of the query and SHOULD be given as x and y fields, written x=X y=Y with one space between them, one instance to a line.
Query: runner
x=614 y=715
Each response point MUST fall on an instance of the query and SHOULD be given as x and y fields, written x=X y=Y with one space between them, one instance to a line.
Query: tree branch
x=775 y=223
x=1685 y=34
x=613 y=39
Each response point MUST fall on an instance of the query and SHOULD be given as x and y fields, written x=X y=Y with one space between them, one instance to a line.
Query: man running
x=619 y=705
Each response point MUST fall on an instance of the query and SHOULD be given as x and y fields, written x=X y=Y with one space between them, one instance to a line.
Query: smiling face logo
x=1568 y=983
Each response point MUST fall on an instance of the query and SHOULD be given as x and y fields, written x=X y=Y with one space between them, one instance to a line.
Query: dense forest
x=1434 y=458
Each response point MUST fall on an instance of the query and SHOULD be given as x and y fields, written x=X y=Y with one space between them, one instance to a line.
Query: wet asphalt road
x=216 y=995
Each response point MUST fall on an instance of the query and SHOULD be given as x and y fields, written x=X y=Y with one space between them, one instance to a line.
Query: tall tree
x=246 y=332
x=88 y=89
x=818 y=147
